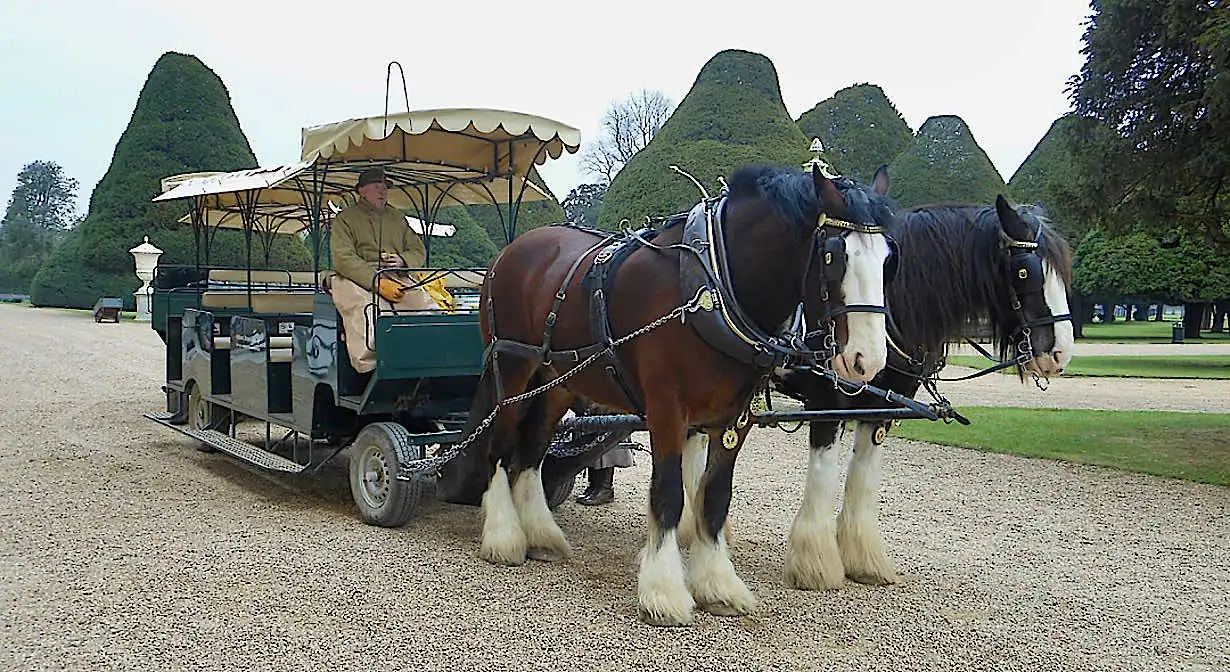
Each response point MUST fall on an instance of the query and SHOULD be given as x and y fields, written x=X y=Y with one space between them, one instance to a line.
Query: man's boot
x=600 y=489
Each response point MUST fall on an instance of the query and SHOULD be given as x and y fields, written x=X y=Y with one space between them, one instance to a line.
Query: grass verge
x=1188 y=446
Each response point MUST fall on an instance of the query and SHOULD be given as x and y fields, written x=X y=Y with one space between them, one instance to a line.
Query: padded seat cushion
x=262 y=302
x=266 y=277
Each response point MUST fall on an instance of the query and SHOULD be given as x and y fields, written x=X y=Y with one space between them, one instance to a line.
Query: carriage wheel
x=204 y=415
x=560 y=493
x=375 y=459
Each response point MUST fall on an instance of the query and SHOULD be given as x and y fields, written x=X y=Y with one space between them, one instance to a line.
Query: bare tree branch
x=627 y=127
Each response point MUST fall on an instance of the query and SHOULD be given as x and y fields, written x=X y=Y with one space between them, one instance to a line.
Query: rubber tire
x=561 y=493
x=204 y=415
x=387 y=444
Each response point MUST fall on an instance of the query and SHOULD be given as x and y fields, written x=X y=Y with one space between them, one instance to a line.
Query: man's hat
x=372 y=176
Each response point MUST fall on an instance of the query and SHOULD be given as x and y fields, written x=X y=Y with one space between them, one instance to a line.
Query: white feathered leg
x=695 y=455
x=858 y=532
x=544 y=540
x=661 y=586
x=503 y=540
x=812 y=559
x=715 y=585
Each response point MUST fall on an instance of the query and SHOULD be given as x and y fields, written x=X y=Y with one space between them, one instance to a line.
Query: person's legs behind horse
x=601 y=488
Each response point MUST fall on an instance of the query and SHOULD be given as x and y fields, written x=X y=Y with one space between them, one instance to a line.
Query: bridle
x=1025 y=262
x=831 y=250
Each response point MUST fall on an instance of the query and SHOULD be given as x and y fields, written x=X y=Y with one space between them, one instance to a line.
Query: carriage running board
x=235 y=448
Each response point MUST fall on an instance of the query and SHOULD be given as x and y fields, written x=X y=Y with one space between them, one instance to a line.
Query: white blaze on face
x=866 y=349
x=1057 y=301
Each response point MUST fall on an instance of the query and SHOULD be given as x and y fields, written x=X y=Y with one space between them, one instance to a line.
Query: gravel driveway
x=123 y=548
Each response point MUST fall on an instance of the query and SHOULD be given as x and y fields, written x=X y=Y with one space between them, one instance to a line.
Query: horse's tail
x=464 y=479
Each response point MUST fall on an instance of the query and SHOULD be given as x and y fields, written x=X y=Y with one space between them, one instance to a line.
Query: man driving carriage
x=366 y=237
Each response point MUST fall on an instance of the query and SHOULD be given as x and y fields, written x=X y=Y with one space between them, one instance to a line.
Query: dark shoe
x=599 y=491
x=603 y=496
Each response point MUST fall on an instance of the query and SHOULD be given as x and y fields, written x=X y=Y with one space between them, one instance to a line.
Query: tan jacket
x=359 y=233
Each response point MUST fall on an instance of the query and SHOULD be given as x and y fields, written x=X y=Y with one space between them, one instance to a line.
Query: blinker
x=1027 y=273
x=834 y=258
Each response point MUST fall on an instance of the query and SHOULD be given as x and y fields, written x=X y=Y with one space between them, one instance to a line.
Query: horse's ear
x=831 y=200
x=1010 y=221
x=879 y=181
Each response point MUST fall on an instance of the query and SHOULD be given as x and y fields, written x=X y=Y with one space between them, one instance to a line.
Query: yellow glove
x=390 y=289
x=439 y=293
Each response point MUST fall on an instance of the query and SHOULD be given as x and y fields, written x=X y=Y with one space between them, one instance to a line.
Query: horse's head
x=856 y=259
x=1037 y=265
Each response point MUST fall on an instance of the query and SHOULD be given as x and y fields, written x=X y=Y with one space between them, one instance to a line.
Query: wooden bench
x=108 y=308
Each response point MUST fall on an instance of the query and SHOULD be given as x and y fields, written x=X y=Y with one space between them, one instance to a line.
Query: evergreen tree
x=40 y=211
x=182 y=122
x=1158 y=75
x=584 y=204
x=860 y=130
x=468 y=247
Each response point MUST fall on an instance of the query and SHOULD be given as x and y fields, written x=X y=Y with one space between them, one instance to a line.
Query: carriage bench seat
x=279 y=303
x=277 y=278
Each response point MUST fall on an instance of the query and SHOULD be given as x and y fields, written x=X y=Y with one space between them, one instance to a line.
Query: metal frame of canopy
x=438 y=157
x=433 y=158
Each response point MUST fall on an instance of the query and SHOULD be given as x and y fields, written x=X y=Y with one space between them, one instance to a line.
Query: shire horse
x=778 y=232
x=957 y=264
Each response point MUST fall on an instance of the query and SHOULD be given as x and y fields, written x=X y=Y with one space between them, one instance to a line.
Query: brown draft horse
x=777 y=225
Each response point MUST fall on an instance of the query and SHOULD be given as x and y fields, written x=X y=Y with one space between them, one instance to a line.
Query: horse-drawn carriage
x=569 y=342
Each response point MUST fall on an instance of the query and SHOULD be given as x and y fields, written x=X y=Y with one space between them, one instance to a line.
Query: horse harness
x=704 y=276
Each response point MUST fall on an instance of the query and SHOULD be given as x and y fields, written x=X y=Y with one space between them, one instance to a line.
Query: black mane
x=793 y=194
x=953 y=269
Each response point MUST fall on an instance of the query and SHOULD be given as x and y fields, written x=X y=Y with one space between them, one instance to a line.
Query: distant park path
x=1141 y=394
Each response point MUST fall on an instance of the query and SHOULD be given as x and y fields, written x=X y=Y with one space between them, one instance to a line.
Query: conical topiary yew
x=860 y=130
x=944 y=164
x=732 y=116
x=183 y=122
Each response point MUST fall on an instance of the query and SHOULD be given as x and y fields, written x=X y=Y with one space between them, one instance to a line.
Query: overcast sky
x=70 y=72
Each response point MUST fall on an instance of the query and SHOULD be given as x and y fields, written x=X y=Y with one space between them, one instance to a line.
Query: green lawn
x=1190 y=446
x=1128 y=366
x=1142 y=332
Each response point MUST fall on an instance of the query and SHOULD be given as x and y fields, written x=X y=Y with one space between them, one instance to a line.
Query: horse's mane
x=953 y=269
x=793 y=194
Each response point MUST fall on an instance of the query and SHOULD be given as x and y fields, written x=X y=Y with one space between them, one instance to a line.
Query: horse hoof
x=725 y=609
x=544 y=554
x=666 y=620
x=875 y=579
x=505 y=558
x=812 y=580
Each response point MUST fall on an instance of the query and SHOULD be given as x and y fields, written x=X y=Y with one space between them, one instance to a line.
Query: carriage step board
x=163 y=416
x=236 y=448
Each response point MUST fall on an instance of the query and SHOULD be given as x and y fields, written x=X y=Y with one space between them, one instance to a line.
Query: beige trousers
x=359 y=316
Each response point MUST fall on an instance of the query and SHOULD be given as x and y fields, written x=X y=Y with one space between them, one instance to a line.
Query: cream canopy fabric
x=273 y=198
x=434 y=158
x=451 y=156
